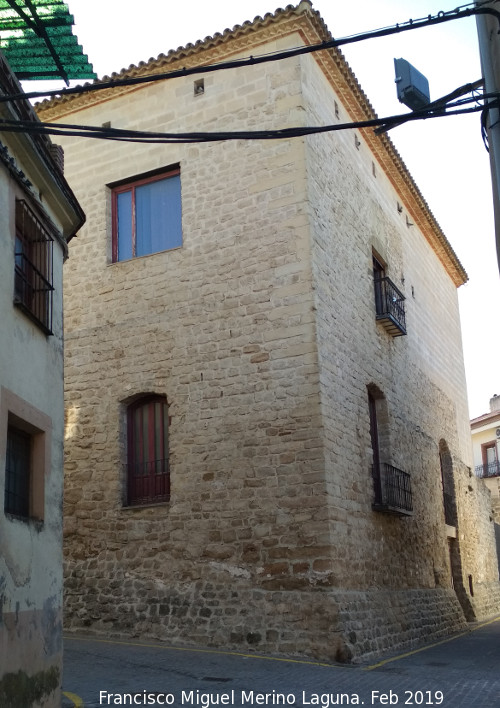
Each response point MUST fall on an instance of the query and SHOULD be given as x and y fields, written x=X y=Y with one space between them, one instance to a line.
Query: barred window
x=33 y=282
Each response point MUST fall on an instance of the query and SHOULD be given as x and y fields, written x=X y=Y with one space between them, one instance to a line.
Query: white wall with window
x=485 y=432
x=33 y=247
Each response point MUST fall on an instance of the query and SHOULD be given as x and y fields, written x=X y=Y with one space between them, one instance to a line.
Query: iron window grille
x=148 y=469
x=392 y=490
x=33 y=281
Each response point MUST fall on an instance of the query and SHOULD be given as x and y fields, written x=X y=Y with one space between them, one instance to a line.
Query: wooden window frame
x=131 y=186
x=148 y=475
x=484 y=451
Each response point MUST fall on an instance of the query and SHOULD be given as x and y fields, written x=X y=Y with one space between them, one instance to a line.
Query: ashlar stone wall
x=260 y=331
x=355 y=213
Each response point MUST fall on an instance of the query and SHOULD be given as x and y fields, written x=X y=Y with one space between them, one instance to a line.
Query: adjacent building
x=485 y=431
x=267 y=435
x=38 y=216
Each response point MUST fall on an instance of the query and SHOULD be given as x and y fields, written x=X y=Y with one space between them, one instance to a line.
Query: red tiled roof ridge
x=155 y=64
x=441 y=244
x=485 y=417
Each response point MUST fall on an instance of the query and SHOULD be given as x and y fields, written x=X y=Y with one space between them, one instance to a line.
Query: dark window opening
x=389 y=302
x=448 y=484
x=148 y=470
x=33 y=282
x=199 y=87
x=18 y=472
x=392 y=486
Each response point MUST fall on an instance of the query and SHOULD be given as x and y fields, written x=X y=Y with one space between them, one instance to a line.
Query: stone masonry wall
x=224 y=327
x=476 y=529
x=260 y=331
x=421 y=376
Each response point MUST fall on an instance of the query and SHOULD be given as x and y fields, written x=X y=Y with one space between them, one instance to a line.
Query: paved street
x=463 y=670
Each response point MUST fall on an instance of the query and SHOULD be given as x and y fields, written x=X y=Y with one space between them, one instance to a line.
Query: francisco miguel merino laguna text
x=206 y=700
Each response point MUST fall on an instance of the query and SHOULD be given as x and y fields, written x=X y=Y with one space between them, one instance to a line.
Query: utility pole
x=489 y=48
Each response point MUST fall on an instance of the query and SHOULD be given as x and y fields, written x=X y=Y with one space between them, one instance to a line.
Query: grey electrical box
x=412 y=86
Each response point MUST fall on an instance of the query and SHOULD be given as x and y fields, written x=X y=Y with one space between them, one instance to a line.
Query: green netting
x=37 y=38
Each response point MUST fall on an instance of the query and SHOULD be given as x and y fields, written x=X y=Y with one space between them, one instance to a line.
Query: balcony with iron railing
x=392 y=490
x=390 y=307
x=148 y=482
x=492 y=469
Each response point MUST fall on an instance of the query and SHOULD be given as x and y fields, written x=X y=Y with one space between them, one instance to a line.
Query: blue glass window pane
x=158 y=216
x=124 y=229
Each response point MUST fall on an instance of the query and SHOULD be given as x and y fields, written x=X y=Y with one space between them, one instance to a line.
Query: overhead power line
x=457 y=13
x=458 y=107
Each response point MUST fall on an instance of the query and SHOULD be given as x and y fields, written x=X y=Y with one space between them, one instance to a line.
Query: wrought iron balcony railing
x=148 y=482
x=392 y=490
x=492 y=469
x=390 y=307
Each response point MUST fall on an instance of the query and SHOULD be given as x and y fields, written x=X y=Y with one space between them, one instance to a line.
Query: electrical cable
x=260 y=59
x=458 y=107
x=443 y=101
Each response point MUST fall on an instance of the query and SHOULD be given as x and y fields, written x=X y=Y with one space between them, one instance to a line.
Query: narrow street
x=462 y=670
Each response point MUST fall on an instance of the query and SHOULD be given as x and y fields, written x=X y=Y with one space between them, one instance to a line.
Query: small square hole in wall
x=107 y=124
x=199 y=87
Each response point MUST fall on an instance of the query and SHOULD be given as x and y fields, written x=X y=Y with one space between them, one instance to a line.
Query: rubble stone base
x=326 y=624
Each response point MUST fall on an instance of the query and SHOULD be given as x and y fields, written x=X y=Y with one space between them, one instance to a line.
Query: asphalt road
x=463 y=670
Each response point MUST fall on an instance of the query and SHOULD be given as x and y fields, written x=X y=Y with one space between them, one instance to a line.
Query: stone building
x=485 y=431
x=265 y=391
x=38 y=216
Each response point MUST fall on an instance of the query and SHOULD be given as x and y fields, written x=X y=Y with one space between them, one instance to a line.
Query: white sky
x=446 y=156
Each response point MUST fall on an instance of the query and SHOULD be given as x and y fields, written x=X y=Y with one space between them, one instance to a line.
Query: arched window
x=148 y=473
x=392 y=486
